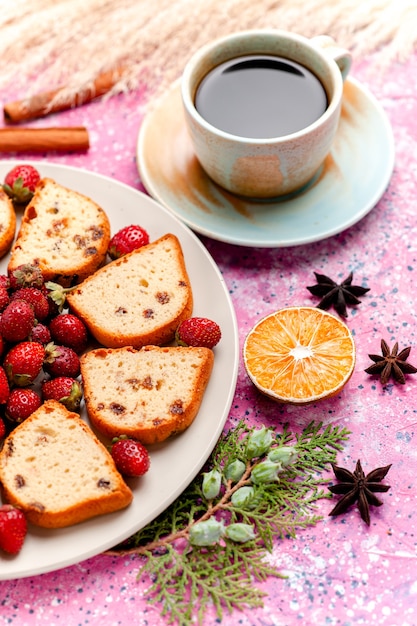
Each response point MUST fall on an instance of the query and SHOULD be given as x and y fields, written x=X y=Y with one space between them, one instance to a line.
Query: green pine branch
x=211 y=544
x=184 y=583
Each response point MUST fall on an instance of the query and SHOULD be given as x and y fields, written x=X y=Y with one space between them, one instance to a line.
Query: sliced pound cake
x=149 y=394
x=62 y=231
x=138 y=299
x=55 y=469
x=7 y=222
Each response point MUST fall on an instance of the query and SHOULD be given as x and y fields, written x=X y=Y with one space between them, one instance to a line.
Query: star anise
x=356 y=487
x=391 y=363
x=339 y=295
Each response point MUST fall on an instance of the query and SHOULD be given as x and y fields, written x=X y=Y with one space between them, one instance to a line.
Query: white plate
x=175 y=463
x=352 y=180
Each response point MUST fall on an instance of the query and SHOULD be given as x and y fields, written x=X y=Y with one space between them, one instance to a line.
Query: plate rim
x=217 y=234
x=192 y=470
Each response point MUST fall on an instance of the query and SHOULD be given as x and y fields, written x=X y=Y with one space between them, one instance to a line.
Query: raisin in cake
x=149 y=394
x=64 y=232
x=54 y=468
x=138 y=299
x=7 y=222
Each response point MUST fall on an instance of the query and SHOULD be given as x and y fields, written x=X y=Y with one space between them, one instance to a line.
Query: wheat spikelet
x=48 y=43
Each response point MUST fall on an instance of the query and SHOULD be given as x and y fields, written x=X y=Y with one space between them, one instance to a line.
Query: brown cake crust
x=62 y=231
x=138 y=299
x=55 y=469
x=7 y=222
x=149 y=394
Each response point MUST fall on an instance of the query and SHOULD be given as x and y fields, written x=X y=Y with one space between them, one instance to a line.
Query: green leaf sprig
x=210 y=545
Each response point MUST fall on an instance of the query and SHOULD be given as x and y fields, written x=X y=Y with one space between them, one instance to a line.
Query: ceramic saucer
x=352 y=180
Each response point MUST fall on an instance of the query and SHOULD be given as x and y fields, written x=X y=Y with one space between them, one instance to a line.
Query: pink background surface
x=340 y=572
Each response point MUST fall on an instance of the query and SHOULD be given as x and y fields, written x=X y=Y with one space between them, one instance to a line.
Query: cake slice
x=7 y=222
x=53 y=467
x=149 y=394
x=138 y=299
x=62 y=231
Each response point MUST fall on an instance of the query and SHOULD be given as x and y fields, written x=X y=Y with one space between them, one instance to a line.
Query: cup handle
x=341 y=56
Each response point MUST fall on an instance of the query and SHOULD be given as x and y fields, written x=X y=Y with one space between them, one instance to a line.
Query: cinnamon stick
x=57 y=100
x=43 y=139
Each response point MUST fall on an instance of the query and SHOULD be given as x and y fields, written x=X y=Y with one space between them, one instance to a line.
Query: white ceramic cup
x=266 y=168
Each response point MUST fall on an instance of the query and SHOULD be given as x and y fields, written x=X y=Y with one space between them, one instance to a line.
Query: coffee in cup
x=260 y=96
x=262 y=108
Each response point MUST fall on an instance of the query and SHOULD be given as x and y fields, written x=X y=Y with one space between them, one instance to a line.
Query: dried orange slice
x=299 y=355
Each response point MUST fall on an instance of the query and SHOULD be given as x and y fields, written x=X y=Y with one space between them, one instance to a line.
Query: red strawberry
x=13 y=529
x=4 y=298
x=25 y=275
x=41 y=334
x=23 y=363
x=36 y=298
x=61 y=361
x=130 y=456
x=4 y=281
x=21 y=404
x=3 y=429
x=4 y=386
x=17 y=321
x=126 y=240
x=68 y=330
x=56 y=296
x=20 y=183
x=198 y=332
x=65 y=390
